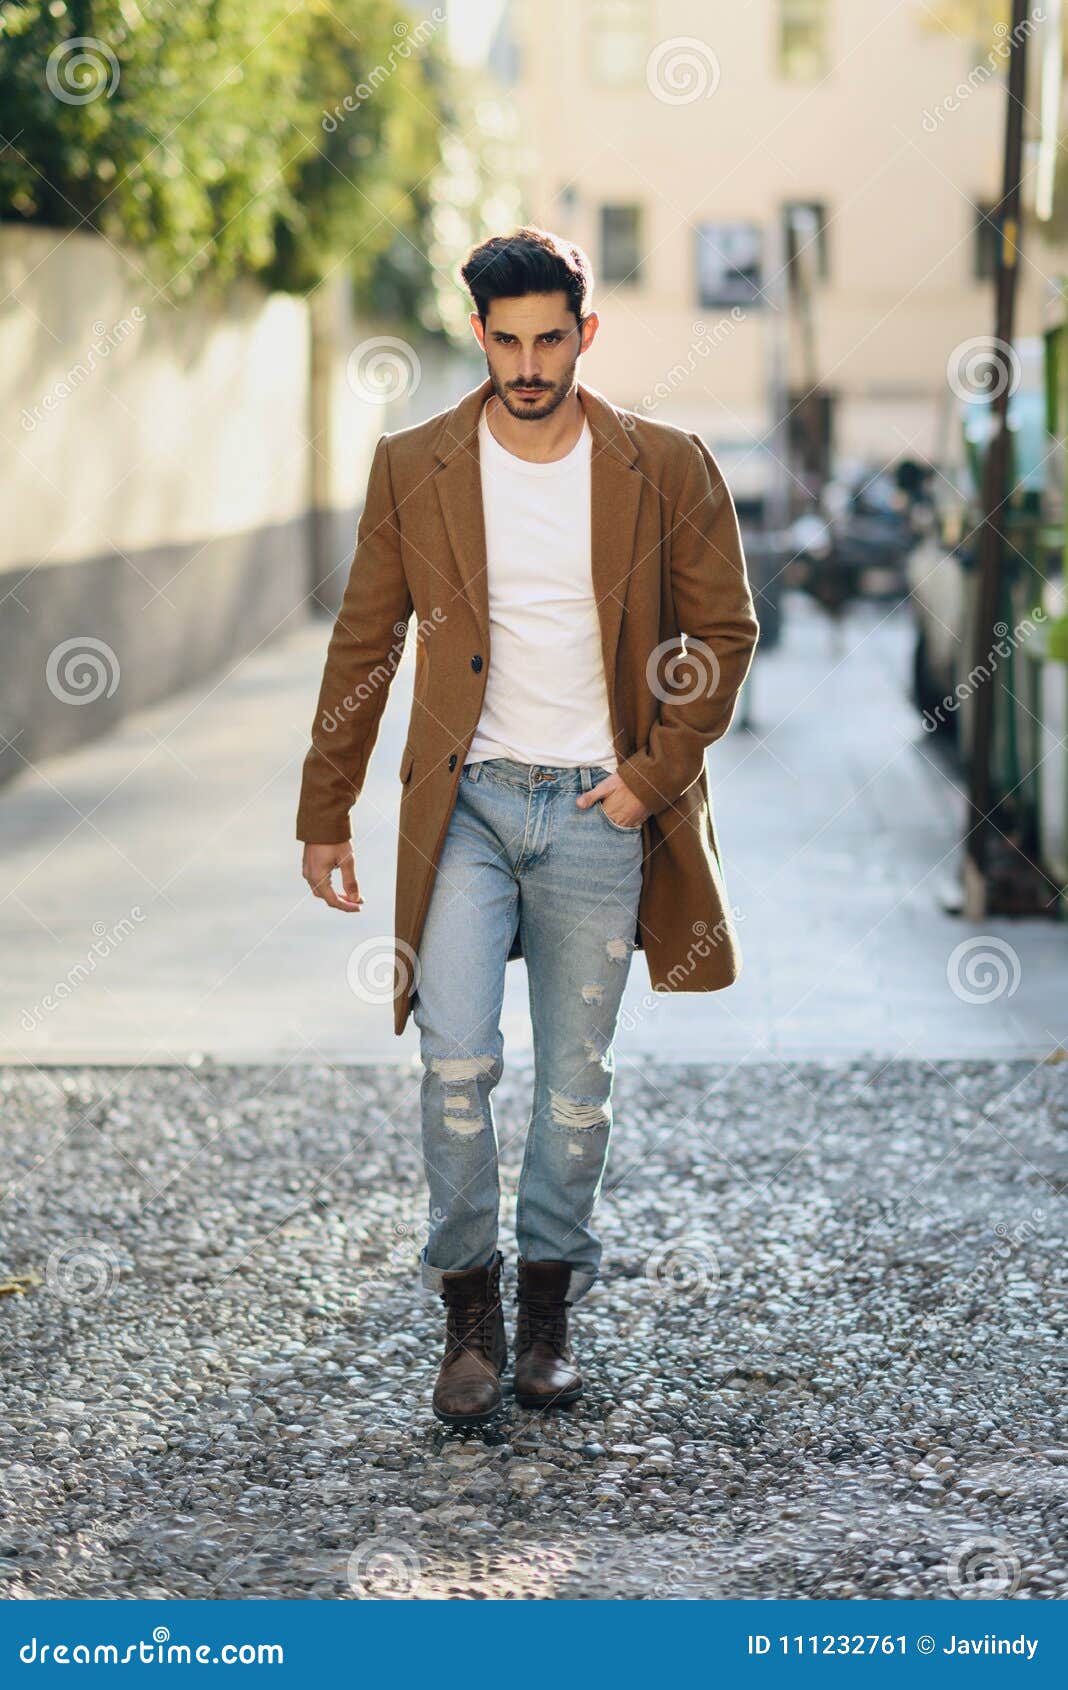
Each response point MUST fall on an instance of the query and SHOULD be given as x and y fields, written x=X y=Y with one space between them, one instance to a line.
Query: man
x=555 y=802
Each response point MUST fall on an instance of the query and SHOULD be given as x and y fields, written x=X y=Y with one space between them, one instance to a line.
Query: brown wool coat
x=666 y=558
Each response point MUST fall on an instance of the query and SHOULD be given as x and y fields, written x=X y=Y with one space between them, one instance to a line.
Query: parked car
x=748 y=468
x=855 y=545
x=941 y=567
x=873 y=531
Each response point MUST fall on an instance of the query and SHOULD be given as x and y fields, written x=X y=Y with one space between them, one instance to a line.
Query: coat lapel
x=615 y=492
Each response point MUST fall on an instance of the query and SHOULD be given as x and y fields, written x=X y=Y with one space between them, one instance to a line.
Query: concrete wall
x=367 y=380
x=178 y=485
x=155 y=485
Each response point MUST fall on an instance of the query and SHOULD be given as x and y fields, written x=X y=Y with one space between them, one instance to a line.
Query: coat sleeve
x=714 y=606
x=361 y=659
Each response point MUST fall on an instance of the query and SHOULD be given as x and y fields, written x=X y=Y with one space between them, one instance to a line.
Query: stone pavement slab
x=825 y=1357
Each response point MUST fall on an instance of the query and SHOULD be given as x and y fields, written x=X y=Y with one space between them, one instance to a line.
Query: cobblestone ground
x=825 y=1359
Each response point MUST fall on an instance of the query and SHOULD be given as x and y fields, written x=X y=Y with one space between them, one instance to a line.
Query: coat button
x=452 y=761
x=476 y=662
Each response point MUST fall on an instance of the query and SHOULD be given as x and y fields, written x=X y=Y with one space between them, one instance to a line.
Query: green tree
x=201 y=136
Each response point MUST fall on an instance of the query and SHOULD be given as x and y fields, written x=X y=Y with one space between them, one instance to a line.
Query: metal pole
x=995 y=481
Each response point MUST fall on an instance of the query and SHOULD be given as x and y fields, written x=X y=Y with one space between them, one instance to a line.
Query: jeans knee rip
x=574 y=1116
x=459 y=1075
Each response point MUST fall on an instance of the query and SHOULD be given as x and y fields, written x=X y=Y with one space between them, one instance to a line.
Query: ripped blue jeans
x=518 y=852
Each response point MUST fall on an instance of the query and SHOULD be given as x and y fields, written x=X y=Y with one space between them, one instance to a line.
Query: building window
x=729 y=264
x=618 y=42
x=804 y=39
x=985 y=245
x=979 y=24
x=621 y=243
x=805 y=231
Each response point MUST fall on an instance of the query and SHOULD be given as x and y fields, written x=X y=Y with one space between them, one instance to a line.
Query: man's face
x=532 y=346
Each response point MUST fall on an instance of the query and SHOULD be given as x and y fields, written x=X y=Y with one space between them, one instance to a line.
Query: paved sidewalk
x=825 y=1358
x=169 y=847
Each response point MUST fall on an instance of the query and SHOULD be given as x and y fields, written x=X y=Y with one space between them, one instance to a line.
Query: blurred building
x=692 y=150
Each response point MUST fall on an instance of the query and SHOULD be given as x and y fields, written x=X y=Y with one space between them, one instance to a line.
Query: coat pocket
x=407 y=759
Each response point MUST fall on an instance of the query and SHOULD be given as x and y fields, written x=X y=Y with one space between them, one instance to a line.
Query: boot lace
x=544 y=1318
x=470 y=1325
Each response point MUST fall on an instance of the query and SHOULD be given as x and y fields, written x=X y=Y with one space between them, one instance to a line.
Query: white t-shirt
x=545 y=699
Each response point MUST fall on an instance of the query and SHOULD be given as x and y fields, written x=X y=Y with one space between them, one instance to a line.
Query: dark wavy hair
x=529 y=260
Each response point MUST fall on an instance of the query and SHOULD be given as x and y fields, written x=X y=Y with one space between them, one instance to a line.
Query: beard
x=533 y=410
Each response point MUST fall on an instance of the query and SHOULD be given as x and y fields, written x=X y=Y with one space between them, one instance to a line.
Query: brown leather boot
x=545 y=1369
x=468 y=1389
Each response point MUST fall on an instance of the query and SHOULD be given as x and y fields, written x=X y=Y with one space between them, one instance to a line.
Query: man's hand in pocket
x=625 y=810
